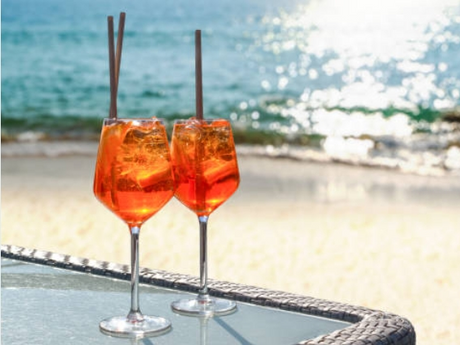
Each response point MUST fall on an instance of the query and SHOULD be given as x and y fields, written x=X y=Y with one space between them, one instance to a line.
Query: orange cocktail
x=206 y=175
x=133 y=169
x=133 y=178
x=204 y=164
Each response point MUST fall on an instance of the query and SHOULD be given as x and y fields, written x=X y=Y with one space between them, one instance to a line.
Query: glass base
x=120 y=326
x=204 y=307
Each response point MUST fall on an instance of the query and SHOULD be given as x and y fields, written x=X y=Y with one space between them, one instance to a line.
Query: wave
x=273 y=121
x=422 y=142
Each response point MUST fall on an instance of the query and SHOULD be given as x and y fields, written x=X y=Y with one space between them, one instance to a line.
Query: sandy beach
x=369 y=237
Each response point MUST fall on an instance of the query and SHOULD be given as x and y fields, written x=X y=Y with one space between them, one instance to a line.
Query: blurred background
x=358 y=101
x=365 y=82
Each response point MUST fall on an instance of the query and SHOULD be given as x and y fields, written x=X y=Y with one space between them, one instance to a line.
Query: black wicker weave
x=369 y=327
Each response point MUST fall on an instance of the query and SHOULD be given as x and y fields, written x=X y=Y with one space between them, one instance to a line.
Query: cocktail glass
x=206 y=174
x=133 y=179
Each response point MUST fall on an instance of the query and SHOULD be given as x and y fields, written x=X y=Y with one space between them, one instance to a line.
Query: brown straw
x=113 y=88
x=121 y=28
x=115 y=61
x=198 y=76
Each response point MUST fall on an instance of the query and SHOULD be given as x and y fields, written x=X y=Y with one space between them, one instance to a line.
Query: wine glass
x=206 y=174
x=133 y=178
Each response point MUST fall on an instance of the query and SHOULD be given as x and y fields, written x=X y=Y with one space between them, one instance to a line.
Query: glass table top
x=47 y=305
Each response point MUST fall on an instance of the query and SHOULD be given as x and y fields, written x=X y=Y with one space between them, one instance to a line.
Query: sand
x=368 y=237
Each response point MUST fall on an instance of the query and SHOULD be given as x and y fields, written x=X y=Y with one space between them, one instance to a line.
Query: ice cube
x=148 y=179
x=134 y=136
x=219 y=170
x=127 y=185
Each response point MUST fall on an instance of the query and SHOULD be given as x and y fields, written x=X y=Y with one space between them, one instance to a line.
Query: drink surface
x=204 y=164
x=133 y=176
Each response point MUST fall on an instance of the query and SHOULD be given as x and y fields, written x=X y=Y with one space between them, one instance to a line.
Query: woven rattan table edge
x=368 y=326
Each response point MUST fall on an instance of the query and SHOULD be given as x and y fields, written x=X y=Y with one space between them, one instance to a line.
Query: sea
x=363 y=82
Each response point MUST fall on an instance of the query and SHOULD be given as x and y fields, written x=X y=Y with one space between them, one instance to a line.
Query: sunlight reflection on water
x=368 y=74
x=368 y=47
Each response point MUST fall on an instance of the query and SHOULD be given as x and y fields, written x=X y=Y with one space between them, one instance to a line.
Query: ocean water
x=373 y=82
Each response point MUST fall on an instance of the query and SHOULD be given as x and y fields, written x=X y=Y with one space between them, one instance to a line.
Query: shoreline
x=371 y=237
x=306 y=154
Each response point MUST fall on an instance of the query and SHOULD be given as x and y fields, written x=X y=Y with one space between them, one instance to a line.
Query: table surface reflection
x=49 y=305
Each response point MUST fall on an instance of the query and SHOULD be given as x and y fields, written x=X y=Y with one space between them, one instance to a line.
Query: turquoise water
x=375 y=85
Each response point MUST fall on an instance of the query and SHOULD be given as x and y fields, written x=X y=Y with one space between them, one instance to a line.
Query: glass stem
x=204 y=330
x=203 y=293
x=135 y=314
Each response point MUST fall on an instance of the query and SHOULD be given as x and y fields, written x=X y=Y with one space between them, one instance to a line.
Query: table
x=50 y=298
